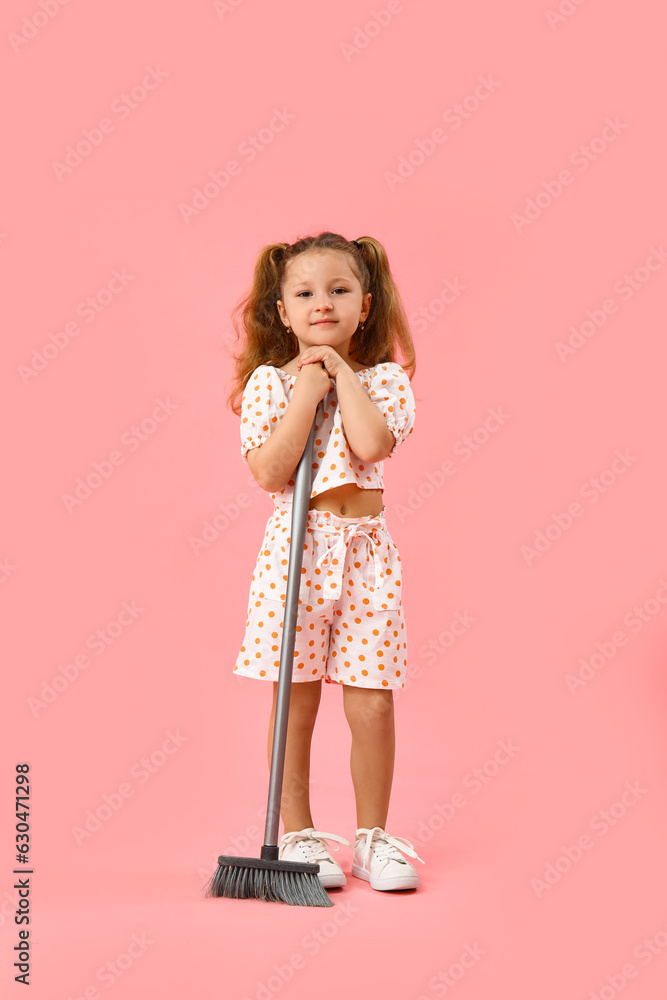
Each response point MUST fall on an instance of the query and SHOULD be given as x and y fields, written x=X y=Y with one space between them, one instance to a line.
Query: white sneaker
x=307 y=846
x=377 y=858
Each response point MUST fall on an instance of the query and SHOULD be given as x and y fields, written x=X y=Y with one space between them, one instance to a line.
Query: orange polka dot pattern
x=267 y=394
x=347 y=640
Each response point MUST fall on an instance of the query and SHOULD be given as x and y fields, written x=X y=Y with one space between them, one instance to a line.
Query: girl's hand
x=313 y=380
x=331 y=358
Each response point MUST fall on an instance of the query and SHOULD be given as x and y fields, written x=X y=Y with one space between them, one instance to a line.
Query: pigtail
x=387 y=323
x=256 y=321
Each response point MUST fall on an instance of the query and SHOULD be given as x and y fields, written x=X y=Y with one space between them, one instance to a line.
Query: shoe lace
x=385 y=847
x=312 y=842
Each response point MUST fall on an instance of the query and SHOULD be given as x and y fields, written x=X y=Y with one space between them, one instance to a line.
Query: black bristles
x=275 y=881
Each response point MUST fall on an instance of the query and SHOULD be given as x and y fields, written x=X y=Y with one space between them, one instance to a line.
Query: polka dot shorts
x=350 y=627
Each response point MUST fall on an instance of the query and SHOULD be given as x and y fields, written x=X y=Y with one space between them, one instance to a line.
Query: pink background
x=164 y=336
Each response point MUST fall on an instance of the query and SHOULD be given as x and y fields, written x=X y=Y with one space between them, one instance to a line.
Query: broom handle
x=300 y=503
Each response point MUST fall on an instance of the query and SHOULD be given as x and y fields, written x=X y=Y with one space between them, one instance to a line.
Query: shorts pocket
x=389 y=585
x=272 y=566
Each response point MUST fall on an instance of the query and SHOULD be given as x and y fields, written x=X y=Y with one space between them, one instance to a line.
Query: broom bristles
x=243 y=879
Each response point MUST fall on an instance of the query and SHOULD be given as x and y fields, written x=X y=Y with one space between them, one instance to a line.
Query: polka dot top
x=268 y=392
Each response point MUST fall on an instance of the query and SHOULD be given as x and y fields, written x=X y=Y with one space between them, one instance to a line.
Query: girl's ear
x=366 y=304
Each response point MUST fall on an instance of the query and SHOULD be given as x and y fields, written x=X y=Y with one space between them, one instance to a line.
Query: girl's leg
x=370 y=714
x=303 y=705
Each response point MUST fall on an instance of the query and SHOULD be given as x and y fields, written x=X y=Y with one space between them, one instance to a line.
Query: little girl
x=321 y=322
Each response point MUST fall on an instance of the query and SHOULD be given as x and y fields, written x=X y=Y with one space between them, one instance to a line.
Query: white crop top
x=267 y=393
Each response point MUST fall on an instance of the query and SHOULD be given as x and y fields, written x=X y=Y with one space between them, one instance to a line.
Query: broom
x=268 y=878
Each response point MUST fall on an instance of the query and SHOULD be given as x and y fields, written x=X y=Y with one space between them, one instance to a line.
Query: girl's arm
x=274 y=463
x=364 y=424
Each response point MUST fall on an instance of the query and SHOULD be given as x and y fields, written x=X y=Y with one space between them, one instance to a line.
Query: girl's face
x=321 y=285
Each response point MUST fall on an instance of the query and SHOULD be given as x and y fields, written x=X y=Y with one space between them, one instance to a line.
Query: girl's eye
x=340 y=289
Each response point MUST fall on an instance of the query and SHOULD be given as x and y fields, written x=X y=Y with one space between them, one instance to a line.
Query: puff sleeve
x=391 y=392
x=262 y=407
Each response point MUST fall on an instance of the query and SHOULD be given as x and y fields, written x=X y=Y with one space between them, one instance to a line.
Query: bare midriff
x=348 y=500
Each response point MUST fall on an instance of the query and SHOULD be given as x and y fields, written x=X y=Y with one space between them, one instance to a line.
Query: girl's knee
x=304 y=702
x=364 y=706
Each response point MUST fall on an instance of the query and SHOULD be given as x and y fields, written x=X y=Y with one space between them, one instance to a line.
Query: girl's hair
x=265 y=338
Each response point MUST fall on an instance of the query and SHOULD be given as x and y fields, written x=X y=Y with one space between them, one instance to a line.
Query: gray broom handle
x=301 y=499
